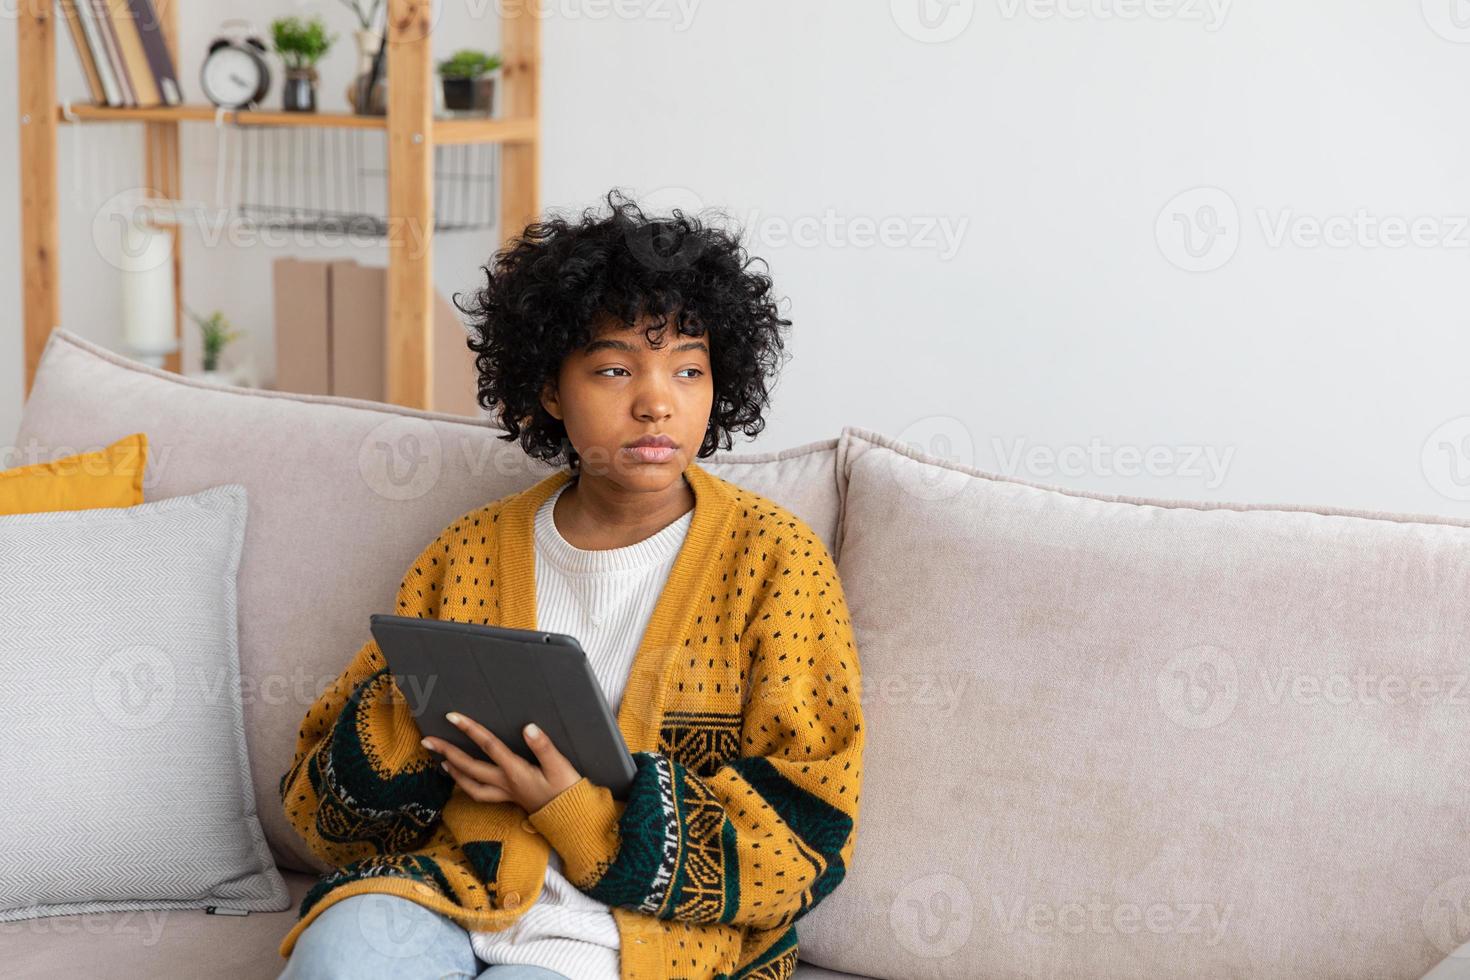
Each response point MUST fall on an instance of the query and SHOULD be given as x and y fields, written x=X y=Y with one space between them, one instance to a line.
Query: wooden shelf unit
x=412 y=133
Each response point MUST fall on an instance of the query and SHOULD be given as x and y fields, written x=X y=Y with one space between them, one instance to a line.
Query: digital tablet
x=506 y=679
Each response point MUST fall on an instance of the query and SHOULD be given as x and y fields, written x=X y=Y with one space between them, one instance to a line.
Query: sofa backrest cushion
x=1112 y=737
x=343 y=495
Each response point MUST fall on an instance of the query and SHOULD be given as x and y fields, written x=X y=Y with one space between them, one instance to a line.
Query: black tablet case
x=505 y=679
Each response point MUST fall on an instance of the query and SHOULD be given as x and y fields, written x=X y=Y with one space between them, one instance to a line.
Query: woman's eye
x=697 y=371
x=611 y=369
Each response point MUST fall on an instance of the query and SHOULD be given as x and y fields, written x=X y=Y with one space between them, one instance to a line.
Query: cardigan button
x=511 y=900
x=528 y=826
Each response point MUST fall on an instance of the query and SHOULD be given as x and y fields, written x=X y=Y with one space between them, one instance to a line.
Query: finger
x=476 y=790
x=498 y=751
x=554 y=765
x=485 y=772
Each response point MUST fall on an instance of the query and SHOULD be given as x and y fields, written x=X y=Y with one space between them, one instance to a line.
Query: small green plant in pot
x=462 y=75
x=301 y=43
x=217 y=333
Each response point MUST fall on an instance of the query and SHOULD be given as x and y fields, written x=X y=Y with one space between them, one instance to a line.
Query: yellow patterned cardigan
x=742 y=710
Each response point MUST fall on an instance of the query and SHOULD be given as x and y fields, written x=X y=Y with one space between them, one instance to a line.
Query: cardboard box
x=303 y=314
x=332 y=336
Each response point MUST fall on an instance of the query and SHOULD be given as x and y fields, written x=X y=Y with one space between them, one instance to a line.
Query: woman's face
x=619 y=388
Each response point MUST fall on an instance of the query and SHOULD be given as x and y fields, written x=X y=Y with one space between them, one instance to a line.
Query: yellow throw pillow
x=111 y=477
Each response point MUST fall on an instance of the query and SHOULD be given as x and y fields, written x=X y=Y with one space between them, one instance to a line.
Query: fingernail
x=444 y=766
x=454 y=718
x=532 y=731
x=426 y=743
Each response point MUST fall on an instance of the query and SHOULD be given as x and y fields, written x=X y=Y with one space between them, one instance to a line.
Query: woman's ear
x=550 y=401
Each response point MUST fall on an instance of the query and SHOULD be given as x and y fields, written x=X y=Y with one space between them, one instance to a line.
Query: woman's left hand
x=507 y=777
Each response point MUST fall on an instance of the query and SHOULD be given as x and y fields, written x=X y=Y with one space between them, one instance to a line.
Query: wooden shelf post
x=162 y=162
x=39 y=229
x=520 y=72
x=410 y=337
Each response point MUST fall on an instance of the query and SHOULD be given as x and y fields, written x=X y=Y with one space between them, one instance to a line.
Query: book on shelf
x=81 y=36
x=155 y=49
x=123 y=52
x=110 y=52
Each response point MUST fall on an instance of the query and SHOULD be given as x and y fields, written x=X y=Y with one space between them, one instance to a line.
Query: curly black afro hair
x=547 y=290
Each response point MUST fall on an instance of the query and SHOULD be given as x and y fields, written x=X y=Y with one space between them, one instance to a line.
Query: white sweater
x=604 y=599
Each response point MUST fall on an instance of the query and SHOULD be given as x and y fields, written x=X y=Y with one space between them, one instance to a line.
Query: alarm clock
x=235 y=73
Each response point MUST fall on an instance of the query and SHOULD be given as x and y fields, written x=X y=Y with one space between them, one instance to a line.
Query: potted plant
x=217 y=333
x=301 y=44
x=464 y=87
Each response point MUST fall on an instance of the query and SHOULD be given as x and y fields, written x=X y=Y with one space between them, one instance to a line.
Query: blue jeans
x=376 y=936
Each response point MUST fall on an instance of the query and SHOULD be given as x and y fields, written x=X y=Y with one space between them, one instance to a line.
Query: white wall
x=1052 y=141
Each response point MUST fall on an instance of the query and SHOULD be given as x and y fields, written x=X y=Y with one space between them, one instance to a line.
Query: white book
x=99 y=52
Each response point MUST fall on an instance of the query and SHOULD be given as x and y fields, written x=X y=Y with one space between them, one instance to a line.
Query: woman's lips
x=651 y=454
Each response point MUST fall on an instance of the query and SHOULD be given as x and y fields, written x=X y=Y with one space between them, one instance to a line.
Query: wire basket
x=335 y=180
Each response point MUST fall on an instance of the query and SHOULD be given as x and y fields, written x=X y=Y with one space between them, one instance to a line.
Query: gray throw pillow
x=122 y=744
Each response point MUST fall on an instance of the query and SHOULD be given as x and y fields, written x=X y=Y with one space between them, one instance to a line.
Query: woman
x=624 y=347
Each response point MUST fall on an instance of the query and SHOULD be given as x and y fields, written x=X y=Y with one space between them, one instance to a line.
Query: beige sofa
x=1108 y=737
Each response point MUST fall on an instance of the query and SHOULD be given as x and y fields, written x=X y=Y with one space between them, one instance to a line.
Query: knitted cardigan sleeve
x=360 y=783
x=764 y=837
